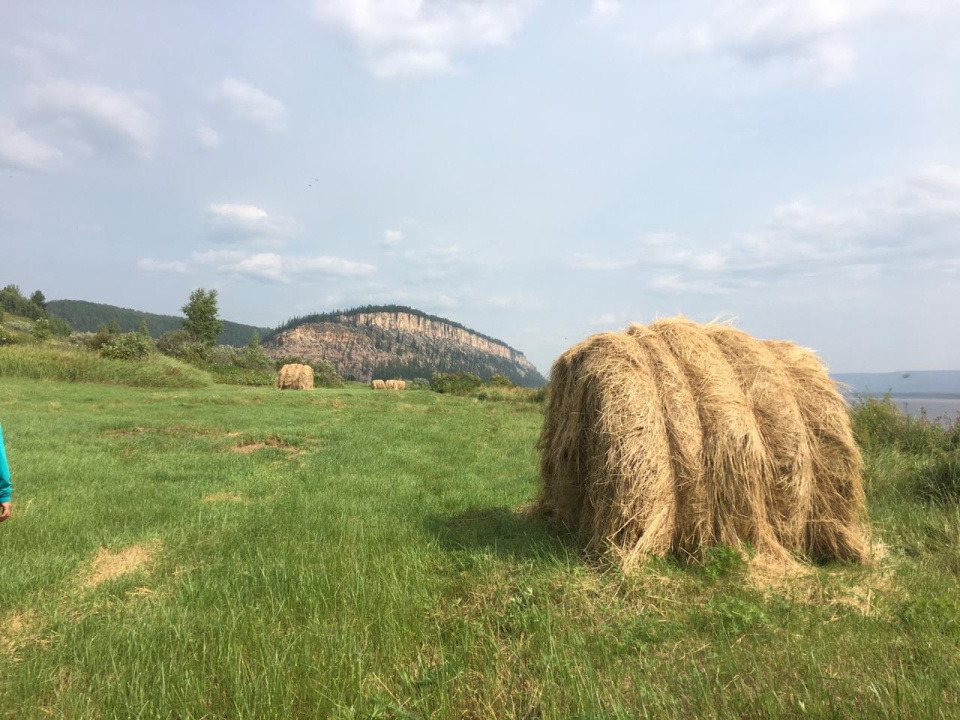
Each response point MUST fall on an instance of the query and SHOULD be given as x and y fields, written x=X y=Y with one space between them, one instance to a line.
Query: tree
x=39 y=300
x=203 y=316
x=144 y=330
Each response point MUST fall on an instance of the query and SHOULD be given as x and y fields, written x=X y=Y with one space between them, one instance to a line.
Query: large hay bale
x=378 y=385
x=676 y=436
x=295 y=377
x=395 y=385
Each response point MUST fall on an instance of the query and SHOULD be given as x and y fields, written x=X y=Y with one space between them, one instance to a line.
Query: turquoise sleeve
x=4 y=472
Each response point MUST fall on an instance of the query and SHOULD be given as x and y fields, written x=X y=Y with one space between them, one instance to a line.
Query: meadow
x=238 y=552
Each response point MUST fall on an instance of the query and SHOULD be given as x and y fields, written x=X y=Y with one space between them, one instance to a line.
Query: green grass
x=366 y=558
x=75 y=364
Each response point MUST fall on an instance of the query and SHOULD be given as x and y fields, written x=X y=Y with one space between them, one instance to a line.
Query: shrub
x=499 y=381
x=127 y=346
x=41 y=330
x=95 y=341
x=418 y=384
x=880 y=423
x=460 y=383
x=183 y=345
x=252 y=356
x=325 y=374
x=223 y=355
x=6 y=337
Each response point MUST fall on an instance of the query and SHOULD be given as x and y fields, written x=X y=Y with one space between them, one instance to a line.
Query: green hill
x=88 y=316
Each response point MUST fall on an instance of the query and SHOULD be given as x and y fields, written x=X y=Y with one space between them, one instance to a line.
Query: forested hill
x=88 y=316
x=384 y=341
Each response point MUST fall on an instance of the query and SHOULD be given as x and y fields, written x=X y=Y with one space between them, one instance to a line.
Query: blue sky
x=537 y=171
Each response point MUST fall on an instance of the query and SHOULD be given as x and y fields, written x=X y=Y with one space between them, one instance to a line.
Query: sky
x=538 y=171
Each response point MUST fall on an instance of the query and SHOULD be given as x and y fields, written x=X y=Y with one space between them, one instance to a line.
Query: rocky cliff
x=394 y=341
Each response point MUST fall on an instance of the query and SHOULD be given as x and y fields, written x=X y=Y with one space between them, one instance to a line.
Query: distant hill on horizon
x=385 y=341
x=908 y=383
x=87 y=316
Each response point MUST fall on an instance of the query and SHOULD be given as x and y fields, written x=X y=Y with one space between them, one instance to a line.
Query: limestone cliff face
x=363 y=345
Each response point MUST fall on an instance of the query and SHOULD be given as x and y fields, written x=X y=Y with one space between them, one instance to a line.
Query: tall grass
x=75 y=364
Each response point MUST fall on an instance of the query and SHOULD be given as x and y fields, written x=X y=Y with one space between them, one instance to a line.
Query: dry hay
x=395 y=385
x=295 y=377
x=672 y=437
x=108 y=565
x=378 y=385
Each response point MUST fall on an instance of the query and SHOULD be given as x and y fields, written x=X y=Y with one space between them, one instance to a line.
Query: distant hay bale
x=673 y=437
x=395 y=385
x=295 y=377
x=401 y=385
x=378 y=385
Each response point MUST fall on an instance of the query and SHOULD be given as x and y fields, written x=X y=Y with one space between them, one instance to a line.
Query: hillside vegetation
x=88 y=316
x=242 y=552
x=385 y=341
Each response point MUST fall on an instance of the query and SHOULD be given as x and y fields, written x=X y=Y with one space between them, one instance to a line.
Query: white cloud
x=812 y=39
x=904 y=224
x=413 y=38
x=38 y=53
x=22 y=151
x=160 y=266
x=208 y=137
x=264 y=267
x=392 y=238
x=231 y=223
x=103 y=116
x=271 y=267
x=250 y=103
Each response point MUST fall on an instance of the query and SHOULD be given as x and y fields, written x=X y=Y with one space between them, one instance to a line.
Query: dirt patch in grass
x=17 y=630
x=251 y=445
x=109 y=565
x=231 y=497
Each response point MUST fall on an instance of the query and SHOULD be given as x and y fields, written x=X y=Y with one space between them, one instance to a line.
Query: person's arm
x=5 y=489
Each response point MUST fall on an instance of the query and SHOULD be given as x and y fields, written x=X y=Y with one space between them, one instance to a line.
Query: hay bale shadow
x=518 y=535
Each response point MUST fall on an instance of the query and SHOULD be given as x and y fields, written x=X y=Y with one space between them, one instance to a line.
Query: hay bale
x=673 y=437
x=378 y=385
x=395 y=385
x=401 y=385
x=295 y=377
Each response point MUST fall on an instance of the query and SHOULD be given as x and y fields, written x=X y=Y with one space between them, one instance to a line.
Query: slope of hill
x=397 y=341
x=88 y=316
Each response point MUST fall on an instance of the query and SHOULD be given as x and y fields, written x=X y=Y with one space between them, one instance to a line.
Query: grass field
x=230 y=552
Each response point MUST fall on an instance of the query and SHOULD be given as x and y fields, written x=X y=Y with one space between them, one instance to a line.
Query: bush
x=94 y=341
x=461 y=383
x=418 y=384
x=6 y=337
x=499 y=381
x=880 y=423
x=41 y=330
x=127 y=346
x=252 y=356
x=181 y=344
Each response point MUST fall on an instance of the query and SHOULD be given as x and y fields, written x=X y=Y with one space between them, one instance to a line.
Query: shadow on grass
x=509 y=534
